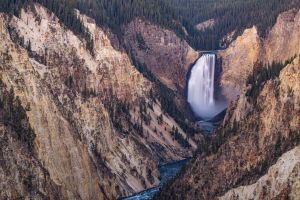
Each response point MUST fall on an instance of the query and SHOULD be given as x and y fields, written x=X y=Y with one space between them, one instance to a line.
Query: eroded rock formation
x=281 y=181
x=161 y=51
x=248 y=50
x=97 y=132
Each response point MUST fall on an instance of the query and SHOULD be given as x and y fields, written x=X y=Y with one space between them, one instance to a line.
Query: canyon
x=97 y=130
x=102 y=116
x=254 y=153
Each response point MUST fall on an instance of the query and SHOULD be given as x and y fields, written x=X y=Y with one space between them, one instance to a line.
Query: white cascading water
x=201 y=88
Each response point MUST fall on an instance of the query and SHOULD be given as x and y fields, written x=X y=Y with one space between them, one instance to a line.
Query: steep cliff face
x=57 y=143
x=238 y=61
x=161 y=51
x=243 y=55
x=97 y=132
x=283 y=39
x=281 y=181
x=21 y=173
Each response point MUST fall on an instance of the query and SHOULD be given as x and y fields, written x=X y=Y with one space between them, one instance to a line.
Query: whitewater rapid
x=201 y=88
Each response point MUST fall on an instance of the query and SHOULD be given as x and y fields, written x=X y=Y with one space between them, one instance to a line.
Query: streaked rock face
x=22 y=174
x=241 y=57
x=284 y=38
x=77 y=104
x=238 y=61
x=282 y=181
x=161 y=51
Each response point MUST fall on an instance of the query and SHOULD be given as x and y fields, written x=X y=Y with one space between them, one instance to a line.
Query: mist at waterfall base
x=201 y=88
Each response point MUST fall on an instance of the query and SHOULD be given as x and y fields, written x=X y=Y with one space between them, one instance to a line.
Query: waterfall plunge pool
x=201 y=88
x=206 y=102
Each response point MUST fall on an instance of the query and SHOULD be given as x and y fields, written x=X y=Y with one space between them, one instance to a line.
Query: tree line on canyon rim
x=229 y=16
x=181 y=16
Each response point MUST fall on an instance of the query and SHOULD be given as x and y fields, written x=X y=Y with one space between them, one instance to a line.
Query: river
x=167 y=172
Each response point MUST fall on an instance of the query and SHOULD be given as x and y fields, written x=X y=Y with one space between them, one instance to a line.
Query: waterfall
x=201 y=88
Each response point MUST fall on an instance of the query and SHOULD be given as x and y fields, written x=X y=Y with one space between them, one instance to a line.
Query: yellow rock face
x=283 y=40
x=239 y=60
x=66 y=158
x=281 y=179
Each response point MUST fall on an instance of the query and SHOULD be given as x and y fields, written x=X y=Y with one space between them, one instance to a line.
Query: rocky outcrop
x=208 y=24
x=21 y=173
x=243 y=55
x=283 y=40
x=281 y=182
x=163 y=53
x=87 y=109
x=238 y=61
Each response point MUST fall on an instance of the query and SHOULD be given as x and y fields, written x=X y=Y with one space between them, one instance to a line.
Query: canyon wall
x=248 y=50
x=97 y=129
x=161 y=51
x=245 y=157
x=281 y=181
x=22 y=174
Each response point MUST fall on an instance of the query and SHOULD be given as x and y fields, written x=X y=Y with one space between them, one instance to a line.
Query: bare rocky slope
x=247 y=51
x=259 y=127
x=99 y=132
x=281 y=181
x=22 y=174
x=161 y=51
